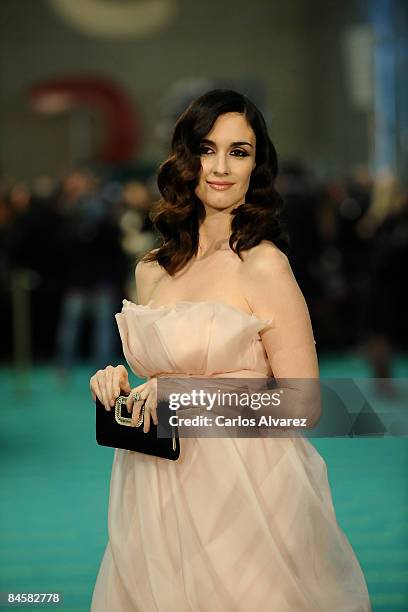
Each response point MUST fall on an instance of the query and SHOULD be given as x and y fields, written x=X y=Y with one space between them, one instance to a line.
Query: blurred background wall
x=293 y=54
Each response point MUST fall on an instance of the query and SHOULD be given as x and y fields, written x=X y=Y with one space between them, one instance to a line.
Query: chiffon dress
x=235 y=524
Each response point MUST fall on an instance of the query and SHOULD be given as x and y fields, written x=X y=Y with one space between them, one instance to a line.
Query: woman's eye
x=235 y=152
x=242 y=153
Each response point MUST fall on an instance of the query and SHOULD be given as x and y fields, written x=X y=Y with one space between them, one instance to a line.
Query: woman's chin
x=220 y=202
x=220 y=206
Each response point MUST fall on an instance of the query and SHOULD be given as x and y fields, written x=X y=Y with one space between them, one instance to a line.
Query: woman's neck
x=214 y=232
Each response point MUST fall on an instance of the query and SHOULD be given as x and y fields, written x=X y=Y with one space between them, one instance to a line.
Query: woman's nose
x=221 y=165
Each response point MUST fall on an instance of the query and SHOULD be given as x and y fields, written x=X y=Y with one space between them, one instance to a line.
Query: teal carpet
x=55 y=487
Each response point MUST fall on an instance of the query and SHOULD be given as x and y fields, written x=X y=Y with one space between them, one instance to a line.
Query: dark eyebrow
x=233 y=144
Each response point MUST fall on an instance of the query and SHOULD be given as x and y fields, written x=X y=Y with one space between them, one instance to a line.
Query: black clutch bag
x=114 y=429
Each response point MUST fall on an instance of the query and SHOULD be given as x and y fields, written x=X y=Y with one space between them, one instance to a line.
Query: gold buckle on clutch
x=122 y=420
x=127 y=421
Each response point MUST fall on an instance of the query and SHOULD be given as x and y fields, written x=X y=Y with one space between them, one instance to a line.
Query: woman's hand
x=107 y=384
x=147 y=395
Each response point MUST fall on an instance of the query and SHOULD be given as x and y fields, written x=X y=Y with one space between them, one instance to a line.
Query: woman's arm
x=272 y=292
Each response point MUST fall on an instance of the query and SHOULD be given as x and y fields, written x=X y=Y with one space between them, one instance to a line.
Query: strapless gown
x=235 y=524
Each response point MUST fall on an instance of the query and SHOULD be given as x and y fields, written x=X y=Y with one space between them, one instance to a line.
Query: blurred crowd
x=349 y=255
x=67 y=258
x=68 y=247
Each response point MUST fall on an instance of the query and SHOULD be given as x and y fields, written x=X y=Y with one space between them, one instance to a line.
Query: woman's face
x=227 y=160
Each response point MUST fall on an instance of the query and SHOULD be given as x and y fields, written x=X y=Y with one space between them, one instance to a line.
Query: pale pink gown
x=235 y=524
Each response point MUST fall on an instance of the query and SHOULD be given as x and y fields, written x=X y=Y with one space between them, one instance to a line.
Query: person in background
x=92 y=266
x=387 y=298
x=138 y=236
x=30 y=263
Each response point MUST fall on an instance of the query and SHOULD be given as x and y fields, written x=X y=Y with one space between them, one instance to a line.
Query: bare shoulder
x=263 y=259
x=147 y=273
x=145 y=269
x=270 y=286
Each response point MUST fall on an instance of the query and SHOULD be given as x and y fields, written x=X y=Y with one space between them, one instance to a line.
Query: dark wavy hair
x=179 y=212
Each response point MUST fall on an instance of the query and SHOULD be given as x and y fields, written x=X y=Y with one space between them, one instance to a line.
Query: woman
x=235 y=524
